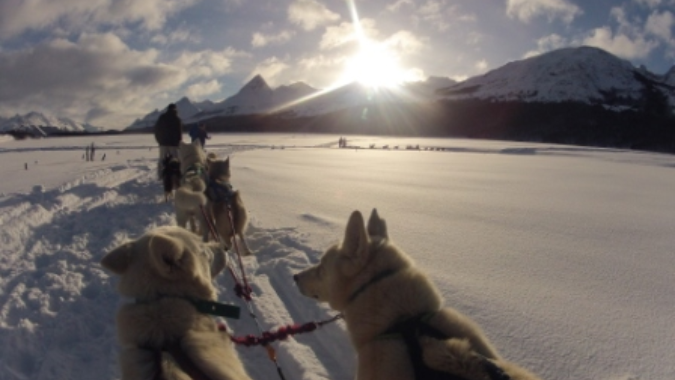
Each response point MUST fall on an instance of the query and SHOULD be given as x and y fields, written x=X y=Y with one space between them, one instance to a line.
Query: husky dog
x=170 y=175
x=221 y=200
x=394 y=313
x=163 y=335
x=189 y=198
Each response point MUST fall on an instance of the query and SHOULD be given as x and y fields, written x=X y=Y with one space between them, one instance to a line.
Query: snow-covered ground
x=563 y=254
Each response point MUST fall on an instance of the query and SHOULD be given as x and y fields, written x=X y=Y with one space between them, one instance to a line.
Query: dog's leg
x=246 y=250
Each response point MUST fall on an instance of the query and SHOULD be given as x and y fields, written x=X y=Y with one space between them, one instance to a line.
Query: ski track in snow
x=52 y=241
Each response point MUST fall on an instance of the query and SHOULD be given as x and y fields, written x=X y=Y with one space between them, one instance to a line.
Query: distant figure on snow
x=198 y=131
x=169 y=134
x=86 y=153
x=91 y=155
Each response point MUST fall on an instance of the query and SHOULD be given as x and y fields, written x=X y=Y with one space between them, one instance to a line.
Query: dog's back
x=171 y=174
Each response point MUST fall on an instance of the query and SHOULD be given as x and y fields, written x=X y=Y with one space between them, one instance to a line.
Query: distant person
x=86 y=153
x=169 y=134
x=91 y=154
x=198 y=132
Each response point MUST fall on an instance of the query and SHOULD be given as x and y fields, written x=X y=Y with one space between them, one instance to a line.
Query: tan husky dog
x=378 y=289
x=221 y=200
x=189 y=198
x=164 y=333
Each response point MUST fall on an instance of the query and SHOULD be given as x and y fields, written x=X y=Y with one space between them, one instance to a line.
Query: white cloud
x=113 y=83
x=394 y=7
x=270 y=69
x=433 y=12
x=309 y=14
x=526 y=10
x=548 y=43
x=620 y=44
x=661 y=25
x=404 y=42
x=649 y=3
x=203 y=89
x=111 y=78
x=18 y=16
x=336 y=36
x=176 y=36
x=261 y=39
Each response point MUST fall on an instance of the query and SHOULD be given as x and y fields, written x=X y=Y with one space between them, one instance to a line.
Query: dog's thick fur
x=189 y=198
x=349 y=278
x=160 y=270
x=170 y=175
x=219 y=176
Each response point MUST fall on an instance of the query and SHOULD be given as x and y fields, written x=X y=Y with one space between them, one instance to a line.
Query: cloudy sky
x=108 y=62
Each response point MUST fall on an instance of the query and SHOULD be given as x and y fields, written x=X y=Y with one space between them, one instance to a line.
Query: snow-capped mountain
x=584 y=74
x=41 y=124
x=297 y=99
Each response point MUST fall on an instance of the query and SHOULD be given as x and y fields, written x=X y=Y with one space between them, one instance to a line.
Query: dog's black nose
x=295 y=277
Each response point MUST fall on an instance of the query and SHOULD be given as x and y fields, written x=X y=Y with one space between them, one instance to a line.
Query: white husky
x=164 y=333
x=394 y=313
x=189 y=198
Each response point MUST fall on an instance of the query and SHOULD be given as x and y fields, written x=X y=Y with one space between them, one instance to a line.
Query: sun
x=374 y=65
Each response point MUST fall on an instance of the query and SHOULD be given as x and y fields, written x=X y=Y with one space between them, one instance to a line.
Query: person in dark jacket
x=198 y=132
x=169 y=134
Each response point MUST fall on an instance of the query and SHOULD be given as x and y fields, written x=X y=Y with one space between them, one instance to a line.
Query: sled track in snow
x=58 y=305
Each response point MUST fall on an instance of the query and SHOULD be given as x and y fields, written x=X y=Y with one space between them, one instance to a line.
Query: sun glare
x=374 y=65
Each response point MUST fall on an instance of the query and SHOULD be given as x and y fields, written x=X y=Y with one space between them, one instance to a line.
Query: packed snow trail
x=58 y=305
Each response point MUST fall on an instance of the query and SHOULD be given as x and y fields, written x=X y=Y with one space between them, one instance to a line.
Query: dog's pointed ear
x=355 y=244
x=165 y=254
x=119 y=259
x=376 y=225
x=218 y=263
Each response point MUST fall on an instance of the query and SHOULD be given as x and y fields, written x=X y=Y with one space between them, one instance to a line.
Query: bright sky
x=107 y=62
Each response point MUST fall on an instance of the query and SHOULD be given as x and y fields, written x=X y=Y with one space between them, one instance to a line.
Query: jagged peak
x=257 y=83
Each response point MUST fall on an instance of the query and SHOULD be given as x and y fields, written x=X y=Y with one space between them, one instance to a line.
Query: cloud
x=404 y=43
x=270 y=69
x=649 y=3
x=336 y=36
x=176 y=36
x=661 y=25
x=620 y=44
x=482 y=65
x=19 y=16
x=203 y=89
x=394 y=7
x=309 y=14
x=260 y=39
x=548 y=43
x=526 y=10
x=113 y=83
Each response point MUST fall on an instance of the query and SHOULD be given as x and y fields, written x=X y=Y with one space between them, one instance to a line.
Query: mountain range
x=38 y=124
x=582 y=75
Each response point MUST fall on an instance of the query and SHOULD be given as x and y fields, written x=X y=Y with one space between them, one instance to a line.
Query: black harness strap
x=218 y=192
x=410 y=330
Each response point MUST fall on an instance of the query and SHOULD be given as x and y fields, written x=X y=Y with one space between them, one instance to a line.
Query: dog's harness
x=196 y=170
x=219 y=191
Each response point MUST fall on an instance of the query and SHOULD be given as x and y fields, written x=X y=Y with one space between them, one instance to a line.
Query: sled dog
x=394 y=313
x=162 y=334
x=221 y=200
x=189 y=198
x=170 y=175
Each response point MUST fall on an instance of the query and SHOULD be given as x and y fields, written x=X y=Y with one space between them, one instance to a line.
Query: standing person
x=91 y=154
x=169 y=134
x=86 y=153
x=199 y=132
